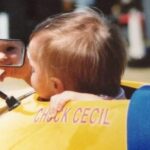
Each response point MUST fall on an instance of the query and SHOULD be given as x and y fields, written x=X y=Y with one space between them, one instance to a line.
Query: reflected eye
x=10 y=49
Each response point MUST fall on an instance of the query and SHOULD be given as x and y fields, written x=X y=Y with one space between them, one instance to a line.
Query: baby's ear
x=57 y=84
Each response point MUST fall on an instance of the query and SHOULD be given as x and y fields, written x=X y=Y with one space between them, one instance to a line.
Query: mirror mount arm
x=11 y=101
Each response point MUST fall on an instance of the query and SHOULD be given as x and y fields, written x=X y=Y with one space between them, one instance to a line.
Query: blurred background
x=19 y=17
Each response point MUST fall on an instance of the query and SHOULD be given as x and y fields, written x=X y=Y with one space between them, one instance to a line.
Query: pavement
x=137 y=74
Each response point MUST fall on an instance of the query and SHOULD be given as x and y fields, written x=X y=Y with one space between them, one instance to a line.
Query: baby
x=77 y=51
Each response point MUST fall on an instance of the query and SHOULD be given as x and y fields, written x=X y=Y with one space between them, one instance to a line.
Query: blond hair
x=82 y=48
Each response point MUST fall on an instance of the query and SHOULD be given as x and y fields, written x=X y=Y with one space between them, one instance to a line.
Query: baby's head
x=76 y=51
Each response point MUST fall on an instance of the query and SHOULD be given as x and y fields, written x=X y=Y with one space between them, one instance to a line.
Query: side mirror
x=12 y=53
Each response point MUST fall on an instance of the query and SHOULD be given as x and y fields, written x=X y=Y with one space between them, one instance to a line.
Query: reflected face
x=39 y=77
x=10 y=52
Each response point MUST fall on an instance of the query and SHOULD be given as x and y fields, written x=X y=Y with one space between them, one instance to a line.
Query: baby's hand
x=58 y=101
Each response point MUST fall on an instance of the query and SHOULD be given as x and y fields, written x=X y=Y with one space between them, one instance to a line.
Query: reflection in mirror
x=12 y=52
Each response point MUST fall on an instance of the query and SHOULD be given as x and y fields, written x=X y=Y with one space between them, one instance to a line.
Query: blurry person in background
x=132 y=19
x=135 y=15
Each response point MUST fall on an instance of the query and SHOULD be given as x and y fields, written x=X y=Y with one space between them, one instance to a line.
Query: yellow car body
x=90 y=125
